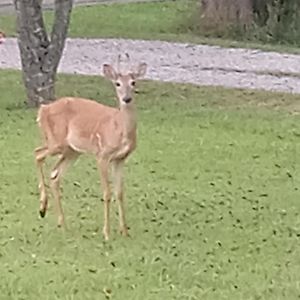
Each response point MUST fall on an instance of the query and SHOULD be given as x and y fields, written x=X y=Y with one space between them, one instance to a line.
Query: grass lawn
x=211 y=195
x=166 y=20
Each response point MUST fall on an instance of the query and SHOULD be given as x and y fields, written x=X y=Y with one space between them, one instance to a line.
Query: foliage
x=166 y=20
x=273 y=21
x=283 y=24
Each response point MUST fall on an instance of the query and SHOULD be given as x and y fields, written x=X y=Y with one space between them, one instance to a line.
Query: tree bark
x=221 y=13
x=40 y=55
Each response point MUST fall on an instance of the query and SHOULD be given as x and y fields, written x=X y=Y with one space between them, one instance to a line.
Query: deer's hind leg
x=64 y=161
x=40 y=155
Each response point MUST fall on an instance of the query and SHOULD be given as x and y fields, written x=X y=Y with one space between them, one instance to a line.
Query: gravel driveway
x=175 y=62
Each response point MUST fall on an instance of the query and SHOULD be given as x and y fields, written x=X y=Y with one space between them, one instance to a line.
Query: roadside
x=176 y=62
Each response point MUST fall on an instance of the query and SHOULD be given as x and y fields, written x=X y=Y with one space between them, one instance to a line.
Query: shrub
x=264 y=20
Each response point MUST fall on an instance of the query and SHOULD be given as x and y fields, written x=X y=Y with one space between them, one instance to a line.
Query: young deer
x=72 y=126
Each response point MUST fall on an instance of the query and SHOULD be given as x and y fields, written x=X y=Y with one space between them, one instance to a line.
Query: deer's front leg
x=104 y=167
x=119 y=192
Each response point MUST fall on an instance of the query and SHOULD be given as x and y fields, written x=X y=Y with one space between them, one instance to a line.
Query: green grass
x=167 y=20
x=211 y=195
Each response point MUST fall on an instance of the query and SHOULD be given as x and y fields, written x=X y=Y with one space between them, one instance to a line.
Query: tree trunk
x=221 y=13
x=40 y=55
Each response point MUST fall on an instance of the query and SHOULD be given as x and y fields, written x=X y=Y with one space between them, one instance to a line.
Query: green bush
x=272 y=21
x=283 y=24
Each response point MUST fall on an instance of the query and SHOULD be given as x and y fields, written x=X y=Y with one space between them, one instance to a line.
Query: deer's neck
x=129 y=120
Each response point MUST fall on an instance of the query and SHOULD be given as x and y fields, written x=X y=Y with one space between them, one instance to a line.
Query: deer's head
x=124 y=81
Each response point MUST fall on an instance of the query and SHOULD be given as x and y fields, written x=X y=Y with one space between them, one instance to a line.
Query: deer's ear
x=109 y=72
x=140 y=71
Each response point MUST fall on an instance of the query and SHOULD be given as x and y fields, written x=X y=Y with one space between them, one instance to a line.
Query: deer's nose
x=127 y=99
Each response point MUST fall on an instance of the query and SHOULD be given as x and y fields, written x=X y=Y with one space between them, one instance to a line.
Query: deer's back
x=74 y=122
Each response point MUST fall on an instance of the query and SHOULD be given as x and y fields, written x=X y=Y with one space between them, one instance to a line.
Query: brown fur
x=73 y=126
x=85 y=126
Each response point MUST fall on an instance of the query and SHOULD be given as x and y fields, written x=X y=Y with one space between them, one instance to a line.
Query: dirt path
x=197 y=64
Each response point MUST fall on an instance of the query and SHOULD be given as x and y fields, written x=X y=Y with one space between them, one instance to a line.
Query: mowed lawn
x=212 y=200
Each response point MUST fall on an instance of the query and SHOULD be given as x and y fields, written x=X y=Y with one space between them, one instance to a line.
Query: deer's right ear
x=109 y=72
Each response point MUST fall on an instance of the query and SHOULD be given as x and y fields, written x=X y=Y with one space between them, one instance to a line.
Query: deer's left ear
x=141 y=71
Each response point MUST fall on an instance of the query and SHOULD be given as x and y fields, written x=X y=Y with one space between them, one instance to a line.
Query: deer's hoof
x=42 y=213
x=124 y=231
x=105 y=233
x=61 y=222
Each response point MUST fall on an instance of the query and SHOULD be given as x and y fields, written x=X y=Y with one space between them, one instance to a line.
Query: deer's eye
x=118 y=84
x=133 y=83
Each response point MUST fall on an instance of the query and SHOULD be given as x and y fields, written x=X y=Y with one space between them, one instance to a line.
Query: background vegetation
x=184 y=21
x=268 y=21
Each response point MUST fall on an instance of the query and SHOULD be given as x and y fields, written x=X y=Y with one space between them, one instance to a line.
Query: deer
x=2 y=37
x=72 y=126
